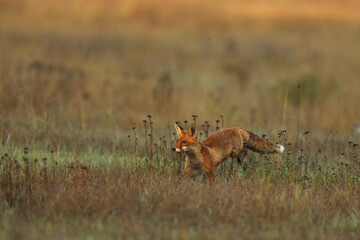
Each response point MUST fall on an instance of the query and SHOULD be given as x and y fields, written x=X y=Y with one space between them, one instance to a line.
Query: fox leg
x=231 y=173
x=241 y=156
x=209 y=169
x=211 y=177
x=187 y=170
x=235 y=154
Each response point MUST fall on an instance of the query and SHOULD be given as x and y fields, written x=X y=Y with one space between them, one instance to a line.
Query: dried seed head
x=306 y=133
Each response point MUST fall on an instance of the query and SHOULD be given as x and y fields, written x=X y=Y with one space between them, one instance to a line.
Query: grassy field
x=78 y=80
x=126 y=194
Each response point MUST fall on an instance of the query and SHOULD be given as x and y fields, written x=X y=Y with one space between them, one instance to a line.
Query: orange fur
x=224 y=143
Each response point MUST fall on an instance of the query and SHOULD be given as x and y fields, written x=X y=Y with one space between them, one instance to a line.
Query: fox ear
x=178 y=129
x=192 y=131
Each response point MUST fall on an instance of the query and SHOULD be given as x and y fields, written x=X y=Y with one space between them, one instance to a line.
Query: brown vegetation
x=77 y=78
x=134 y=201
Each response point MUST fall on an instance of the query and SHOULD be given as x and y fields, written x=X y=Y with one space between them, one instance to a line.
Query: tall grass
x=312 y=193
x=89 y=91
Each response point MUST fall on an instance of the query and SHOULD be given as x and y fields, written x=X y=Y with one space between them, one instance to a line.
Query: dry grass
x=126 y=192
x=112 y=196
x=190 y=13
x=78 y=77
x=110 y=71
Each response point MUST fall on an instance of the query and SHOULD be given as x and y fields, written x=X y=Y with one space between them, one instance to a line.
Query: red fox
x=224 y=143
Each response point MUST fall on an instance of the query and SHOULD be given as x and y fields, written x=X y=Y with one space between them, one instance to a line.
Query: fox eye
x=184 y=142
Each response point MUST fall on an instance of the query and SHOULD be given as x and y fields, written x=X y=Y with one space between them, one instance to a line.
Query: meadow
x=89 y=92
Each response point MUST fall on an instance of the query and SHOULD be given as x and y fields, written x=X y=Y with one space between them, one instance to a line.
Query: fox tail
x=263 y=145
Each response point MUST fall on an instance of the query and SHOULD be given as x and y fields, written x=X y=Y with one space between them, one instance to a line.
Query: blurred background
x=101 y=66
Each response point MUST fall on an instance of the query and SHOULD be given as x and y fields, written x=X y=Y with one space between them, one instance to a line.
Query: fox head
x=186 y=139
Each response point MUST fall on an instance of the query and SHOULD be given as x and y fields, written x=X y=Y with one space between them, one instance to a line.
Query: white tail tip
x=280 y=148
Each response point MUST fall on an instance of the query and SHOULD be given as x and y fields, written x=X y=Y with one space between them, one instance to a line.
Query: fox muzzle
x=176 y=149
